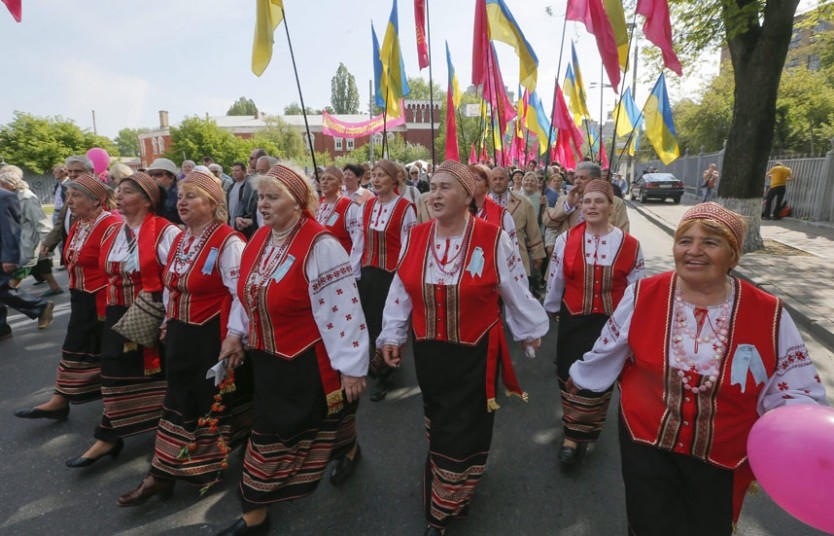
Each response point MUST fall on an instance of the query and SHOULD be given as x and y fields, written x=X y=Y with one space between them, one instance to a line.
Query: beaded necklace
x=325 y=210
x=457 y=259
x=82 y=230
x=270 y=257
x=718 y=337
x=188 y=249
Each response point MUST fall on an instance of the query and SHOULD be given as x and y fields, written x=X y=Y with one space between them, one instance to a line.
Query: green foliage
x=38 y=143
x=470 y=130
x=243 y=106
x=344 y=96
x=128 y=141
x=283 y=140
x=420 y=90
x=196 y=137
x=294 y=108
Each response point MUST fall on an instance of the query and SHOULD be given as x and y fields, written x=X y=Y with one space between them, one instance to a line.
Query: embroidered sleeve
x=639 y=271
x=164 y=247
x=357 y=237
x=395 y=316
x=336 y=308
x=796 y=380
x=600 y=368
x=229 y=265
x=409 y=220
x=524 y=314
x=556 y=277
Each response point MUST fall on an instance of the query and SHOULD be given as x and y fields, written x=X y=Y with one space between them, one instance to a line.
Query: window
x=378 y=137
x=154 y=146
x=814 y=62
x=338 y=143
x=350 y=144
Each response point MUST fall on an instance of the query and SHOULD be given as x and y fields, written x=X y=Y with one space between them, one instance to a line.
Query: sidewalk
x=796 y=274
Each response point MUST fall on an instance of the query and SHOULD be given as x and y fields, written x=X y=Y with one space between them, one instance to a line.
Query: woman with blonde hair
x=196 y=431
x=309 y=348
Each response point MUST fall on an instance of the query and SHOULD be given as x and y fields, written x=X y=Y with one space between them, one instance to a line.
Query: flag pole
x=431 y=83
x=301 y=98
x=491 y=67
x=622 y=88
x=553 y=108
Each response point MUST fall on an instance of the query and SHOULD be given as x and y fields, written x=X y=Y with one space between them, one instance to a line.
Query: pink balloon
x=100 y=159
x=791 y=452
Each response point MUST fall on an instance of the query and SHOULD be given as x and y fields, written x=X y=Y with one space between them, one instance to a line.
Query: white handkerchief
x=218 y=372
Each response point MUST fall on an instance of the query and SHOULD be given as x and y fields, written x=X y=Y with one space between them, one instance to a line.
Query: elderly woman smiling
x=717 y=354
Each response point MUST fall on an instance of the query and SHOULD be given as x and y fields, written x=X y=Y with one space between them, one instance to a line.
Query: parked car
x=657 y=186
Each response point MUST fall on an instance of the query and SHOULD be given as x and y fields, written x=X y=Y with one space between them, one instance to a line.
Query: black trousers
x=31 y=306
x=674 y=494
x=777 y=193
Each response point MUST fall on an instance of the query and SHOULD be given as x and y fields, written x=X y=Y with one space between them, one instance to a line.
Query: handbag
x=141 y=321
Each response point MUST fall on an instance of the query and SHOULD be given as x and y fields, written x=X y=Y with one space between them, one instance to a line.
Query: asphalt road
x=524 y=491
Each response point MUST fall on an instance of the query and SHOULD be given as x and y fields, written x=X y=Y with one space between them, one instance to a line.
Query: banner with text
x=342 y=129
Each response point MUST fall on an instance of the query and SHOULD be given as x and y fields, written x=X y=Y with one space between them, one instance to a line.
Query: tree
x=243 y=106
x=343 y=93
x=38 y=143
x=279 y=139
x=128 y=141
x=196 y=137
x=757 y=34
x=294 y=108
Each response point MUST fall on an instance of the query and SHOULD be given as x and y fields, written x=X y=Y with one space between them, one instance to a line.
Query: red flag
x=473 y=155
x=420 y=23
x=564 y=124
x=603 y=154
x=484 y=155
x=658 y=30
x=480 y=44
x=562 y=153
x=14 y=8
x=452 y=128
x=495 y=93
x=592 y=14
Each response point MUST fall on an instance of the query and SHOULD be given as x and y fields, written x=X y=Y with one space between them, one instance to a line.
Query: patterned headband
x=459 y=171
x=604 y=187
x=147 y=184
x=390 y=168
x=295 y=183
x=334 y=172
x=91 y=186
x=734 y=223
x=209 y=183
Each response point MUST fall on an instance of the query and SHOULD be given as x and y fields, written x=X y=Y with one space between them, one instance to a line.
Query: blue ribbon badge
x=283 y=268
x=747 y=358
x=208 y=266
x=476 y=263
x=331 y=221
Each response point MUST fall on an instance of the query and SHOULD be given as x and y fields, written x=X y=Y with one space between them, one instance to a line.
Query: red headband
x=295 y=183
x=92 y=187
x=147 y=184
x=459 y=171
x=209 y=183
x=733 y=222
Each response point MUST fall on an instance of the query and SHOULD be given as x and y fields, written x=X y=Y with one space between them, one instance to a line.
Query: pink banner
x=330 y=126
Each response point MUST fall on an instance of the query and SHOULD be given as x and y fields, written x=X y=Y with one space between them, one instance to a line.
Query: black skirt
x=79 y=372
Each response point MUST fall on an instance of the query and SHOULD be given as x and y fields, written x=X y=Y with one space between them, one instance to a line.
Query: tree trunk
x=758 y=54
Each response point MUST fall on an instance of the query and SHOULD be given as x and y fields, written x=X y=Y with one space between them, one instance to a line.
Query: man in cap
x=164 y=172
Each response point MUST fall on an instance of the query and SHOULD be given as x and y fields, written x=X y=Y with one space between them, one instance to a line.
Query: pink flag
x=592 y=14
x=473 y=155
x=420 y=23
x=562 y=152
x=495 y=93
x=14 y=8
x=603 y=154
x=658 y=30
x=480 y=44
x=564 y=124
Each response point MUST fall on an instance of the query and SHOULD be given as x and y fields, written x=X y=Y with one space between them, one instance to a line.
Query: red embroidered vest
x=712 y=425
x=198 y=295
x=492 y=212
x=382 y=248
x=281 y=318
x=591 y=288
x=83 y=266
x=123 y=287
x=438 y=309
x=339 y=228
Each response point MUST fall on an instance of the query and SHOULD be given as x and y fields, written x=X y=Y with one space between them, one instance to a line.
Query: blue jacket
x=9 y=231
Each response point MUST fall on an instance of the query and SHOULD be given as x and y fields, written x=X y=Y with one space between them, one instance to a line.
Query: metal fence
x=810 y=195
x=43 y=186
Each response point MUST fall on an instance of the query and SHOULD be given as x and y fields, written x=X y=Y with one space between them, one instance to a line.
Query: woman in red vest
x=196 y=429
x=453 y=276
x=132 y=255
x=341 y=216
x=591 y=266
x=79 y=372
x=709 y=354
x=309 y=348
x=386 y=221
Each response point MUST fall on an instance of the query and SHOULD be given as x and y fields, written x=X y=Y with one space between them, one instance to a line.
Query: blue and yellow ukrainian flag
x=660 y=129
x=538 y=123
x=269 y=14
x=574 y=89
x=379 y=99
x=394 y=83
x=503 y=27
x=453 y=78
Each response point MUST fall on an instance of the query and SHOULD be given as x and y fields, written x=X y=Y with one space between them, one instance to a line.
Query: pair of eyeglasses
x=156 y=174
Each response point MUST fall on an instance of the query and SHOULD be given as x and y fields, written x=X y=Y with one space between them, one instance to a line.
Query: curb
x=823 y=330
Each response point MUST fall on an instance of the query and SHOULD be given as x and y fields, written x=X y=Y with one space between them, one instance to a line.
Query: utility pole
x=95 y=131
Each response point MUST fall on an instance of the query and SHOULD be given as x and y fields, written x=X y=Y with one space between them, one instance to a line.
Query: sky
x=128 y=59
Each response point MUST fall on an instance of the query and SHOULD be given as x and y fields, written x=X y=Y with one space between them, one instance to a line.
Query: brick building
x=416 y=130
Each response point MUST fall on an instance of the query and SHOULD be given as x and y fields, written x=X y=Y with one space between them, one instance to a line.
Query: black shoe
x=569 y=455
x=35 y=413
x=239 y=528
x=433 y=531
x=149 y=487
x=344 y=467
x=81 y=461
x=380 y=390
x=5 y=334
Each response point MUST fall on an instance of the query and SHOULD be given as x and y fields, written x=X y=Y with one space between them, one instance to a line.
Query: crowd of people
x=291 y=290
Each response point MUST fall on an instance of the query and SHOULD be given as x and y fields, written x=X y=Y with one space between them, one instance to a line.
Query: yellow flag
x=270 y=13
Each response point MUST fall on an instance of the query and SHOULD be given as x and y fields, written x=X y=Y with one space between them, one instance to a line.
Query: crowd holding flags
x=556 y=134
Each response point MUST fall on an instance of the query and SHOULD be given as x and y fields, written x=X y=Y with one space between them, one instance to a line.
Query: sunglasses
x=157 y=173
